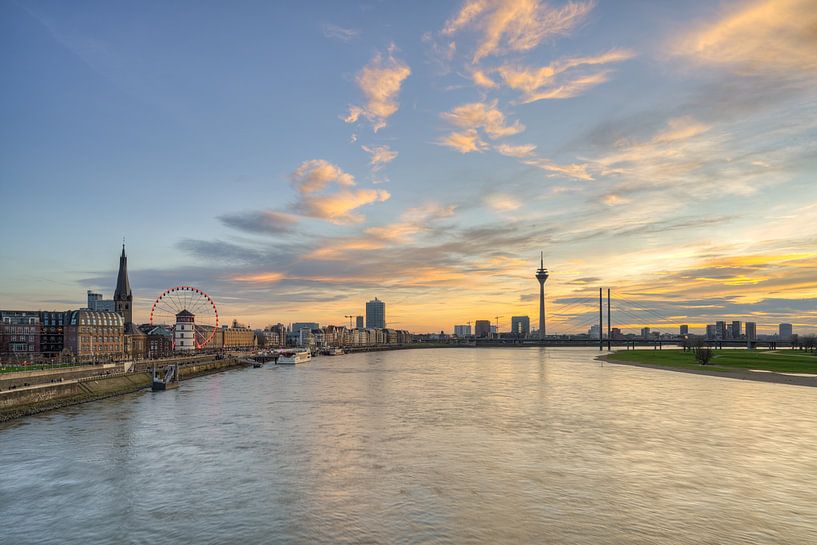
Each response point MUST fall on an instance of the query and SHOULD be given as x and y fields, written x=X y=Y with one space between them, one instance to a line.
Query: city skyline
x=412 y=154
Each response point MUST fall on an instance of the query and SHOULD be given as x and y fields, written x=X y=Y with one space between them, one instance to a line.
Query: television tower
x=542 y=276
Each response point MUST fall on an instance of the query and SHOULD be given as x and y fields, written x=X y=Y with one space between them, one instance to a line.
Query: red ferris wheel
x=172 y=302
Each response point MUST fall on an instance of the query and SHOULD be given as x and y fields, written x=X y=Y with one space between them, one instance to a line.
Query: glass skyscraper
x=376 y=314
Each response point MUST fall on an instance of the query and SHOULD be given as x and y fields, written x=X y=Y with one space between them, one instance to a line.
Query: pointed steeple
x=122 y=296
x=122 y=291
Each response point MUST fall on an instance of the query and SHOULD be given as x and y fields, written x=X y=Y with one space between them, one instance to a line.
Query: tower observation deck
x=542 y=276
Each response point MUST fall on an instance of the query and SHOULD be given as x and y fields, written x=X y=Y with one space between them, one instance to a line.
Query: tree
x=703 y=353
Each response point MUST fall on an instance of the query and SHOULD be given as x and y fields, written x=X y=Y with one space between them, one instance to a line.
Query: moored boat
x=292 y=357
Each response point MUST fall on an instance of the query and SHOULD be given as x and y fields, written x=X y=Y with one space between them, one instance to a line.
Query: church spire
x=122 y=296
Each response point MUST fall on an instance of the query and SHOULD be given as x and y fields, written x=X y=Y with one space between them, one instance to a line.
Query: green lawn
x=38 y=367
x=784 y=361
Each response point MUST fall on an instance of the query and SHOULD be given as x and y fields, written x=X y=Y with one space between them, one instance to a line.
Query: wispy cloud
x=340 y=33
x=270 y=222
x=464 y=142
x=312 y=178
x=380 y=156
x=380 y=82
x=564 y=78
x=526 y=154
x=771 y=37
x=515 y=25
x=502 y=202
x=474 y=117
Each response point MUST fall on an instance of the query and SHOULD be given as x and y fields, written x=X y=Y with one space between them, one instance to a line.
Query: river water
x=422 y=446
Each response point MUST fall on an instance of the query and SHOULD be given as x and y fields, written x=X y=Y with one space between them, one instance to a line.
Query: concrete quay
x=46 y=395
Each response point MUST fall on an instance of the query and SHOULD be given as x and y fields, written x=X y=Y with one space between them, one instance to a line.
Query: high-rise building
x=735 y=330
x=462 y=331
x=711 y=332
x=751 y=331
x=520 y=325
x=482 y=328
x=785 y=332
x=297 y=326
x=375 y=314
x=96 y=302
x=359 y=322
x=594 y=332
x=645 y=332
x=720 y=330
x=684 y=330
x=541 y=277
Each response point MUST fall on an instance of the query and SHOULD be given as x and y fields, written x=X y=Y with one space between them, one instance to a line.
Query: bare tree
x=703 y=353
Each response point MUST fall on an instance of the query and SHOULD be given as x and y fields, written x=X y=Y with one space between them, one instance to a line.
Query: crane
x=350 y=316
x=497 y=324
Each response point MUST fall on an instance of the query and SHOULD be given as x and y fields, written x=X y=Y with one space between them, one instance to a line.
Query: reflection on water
x=423 y=446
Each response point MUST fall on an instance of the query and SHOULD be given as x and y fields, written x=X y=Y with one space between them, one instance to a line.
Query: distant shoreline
x=713 y=371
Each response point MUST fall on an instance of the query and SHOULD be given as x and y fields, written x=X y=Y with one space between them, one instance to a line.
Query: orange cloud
x=338 y=207
x=559 y=80
x=269 y=277
x=380 y=81
x=515 y=25
x=775 y=36
x=478 y=115
x=464 y=142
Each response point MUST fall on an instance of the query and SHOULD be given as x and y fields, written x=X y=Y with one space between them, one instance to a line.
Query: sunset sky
x=295 y=160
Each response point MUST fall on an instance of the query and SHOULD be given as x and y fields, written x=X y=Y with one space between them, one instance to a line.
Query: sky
x=295 y=160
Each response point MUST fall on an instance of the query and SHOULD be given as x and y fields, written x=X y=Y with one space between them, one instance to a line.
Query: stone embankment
x=44 y=395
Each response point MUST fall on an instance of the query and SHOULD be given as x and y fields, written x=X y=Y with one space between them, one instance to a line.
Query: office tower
x=482 y=328
x=735 y=332
x=375 y=314
x=359 y=322
x=684 y=331
x=785 y=332
x=520 y=325
x=462 y=331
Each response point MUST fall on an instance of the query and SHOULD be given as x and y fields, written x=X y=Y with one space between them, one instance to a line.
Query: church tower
x=122 y=297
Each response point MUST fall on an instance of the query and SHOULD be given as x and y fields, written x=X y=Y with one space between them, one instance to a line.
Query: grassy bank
x=783 y=361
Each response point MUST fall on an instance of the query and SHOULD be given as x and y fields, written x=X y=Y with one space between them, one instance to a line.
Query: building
x=375 y=314
x=135 y=339
x=683 y=330
x=735 y=331
x=645 y=332
x=482 y=328
x=122 y=296
x=711 y=332
x=158 y=341
x=93 y=335
x=594 y=332
x=541 y=277
x=520 y=325
x=297 y=326
x=462 y=331
x=52 y=334
x=184 y=334
x=96 y=302
x=359 y=322
x=19 y=335
x=785 y=332
x=720 y=330
x=616 y=334
x=237 y=337
x=751 y=331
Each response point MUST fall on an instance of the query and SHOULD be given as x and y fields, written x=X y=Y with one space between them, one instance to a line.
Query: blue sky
x=297 y=160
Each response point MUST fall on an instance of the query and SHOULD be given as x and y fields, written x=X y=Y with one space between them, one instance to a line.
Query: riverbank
x=775 y=367
x=46 y=397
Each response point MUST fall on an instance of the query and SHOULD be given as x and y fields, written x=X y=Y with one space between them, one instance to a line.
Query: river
x=422 y=446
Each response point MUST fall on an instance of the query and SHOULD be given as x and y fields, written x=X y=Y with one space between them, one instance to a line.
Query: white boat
x=336 y=351
x=291 y=357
